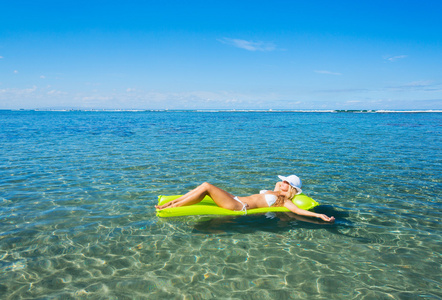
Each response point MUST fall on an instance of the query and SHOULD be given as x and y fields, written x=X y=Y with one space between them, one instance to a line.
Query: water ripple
x=77 y=191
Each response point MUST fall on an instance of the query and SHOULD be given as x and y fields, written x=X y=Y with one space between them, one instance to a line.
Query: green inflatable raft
x=208 y=207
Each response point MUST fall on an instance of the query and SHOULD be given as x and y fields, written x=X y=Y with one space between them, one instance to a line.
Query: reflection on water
x=77 y=191
x=269 y=222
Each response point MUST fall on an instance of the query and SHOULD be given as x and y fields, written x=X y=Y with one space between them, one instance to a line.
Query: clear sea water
x=77 y=191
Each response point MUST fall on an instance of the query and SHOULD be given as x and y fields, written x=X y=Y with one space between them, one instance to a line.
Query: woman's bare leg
x=192 y=197
x=220 y=197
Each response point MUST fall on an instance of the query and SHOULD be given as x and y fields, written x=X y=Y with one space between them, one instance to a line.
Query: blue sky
x=221 y=54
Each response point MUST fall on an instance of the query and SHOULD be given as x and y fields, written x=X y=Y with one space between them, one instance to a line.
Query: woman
x=281 y=196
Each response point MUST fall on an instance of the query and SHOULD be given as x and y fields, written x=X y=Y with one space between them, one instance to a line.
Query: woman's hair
x=279 y=201
x=281 y=198
x=292 y=192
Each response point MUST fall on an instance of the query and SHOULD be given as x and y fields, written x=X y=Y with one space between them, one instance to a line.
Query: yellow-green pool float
x=208 y=207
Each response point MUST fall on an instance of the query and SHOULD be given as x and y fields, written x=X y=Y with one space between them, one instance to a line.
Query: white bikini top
x=270 y=198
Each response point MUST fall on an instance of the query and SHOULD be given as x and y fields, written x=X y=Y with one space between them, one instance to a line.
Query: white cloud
x=395 y=58
x=56 y=93
x=19 y=92
x=49 y=97
x=421 y=83
x=42 y=77
x=97 y=98
x=327 y=72
x=15 y=72
x=249 y=45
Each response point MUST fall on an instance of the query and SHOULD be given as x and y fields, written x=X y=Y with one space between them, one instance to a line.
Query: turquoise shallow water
x=77 y=191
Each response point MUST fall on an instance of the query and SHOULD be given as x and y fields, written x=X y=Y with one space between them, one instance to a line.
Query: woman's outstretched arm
x=302 y=212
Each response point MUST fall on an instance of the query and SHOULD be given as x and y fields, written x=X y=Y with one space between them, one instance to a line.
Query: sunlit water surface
x=77 y=191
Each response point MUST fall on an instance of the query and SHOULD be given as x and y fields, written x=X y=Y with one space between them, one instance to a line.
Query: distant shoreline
x=234 y=110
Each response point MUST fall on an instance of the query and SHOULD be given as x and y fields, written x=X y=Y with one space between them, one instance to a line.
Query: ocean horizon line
x=234 y=110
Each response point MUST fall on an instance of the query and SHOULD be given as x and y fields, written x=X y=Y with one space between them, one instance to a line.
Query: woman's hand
x=277 y=187
x=326 y=218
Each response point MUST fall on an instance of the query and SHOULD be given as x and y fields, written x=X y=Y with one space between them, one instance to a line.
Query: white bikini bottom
x=244 y=205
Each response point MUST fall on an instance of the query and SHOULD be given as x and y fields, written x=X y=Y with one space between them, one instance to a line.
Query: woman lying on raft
x=281 y=196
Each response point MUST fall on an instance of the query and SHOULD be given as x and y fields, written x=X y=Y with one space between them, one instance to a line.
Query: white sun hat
x=294 y=181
